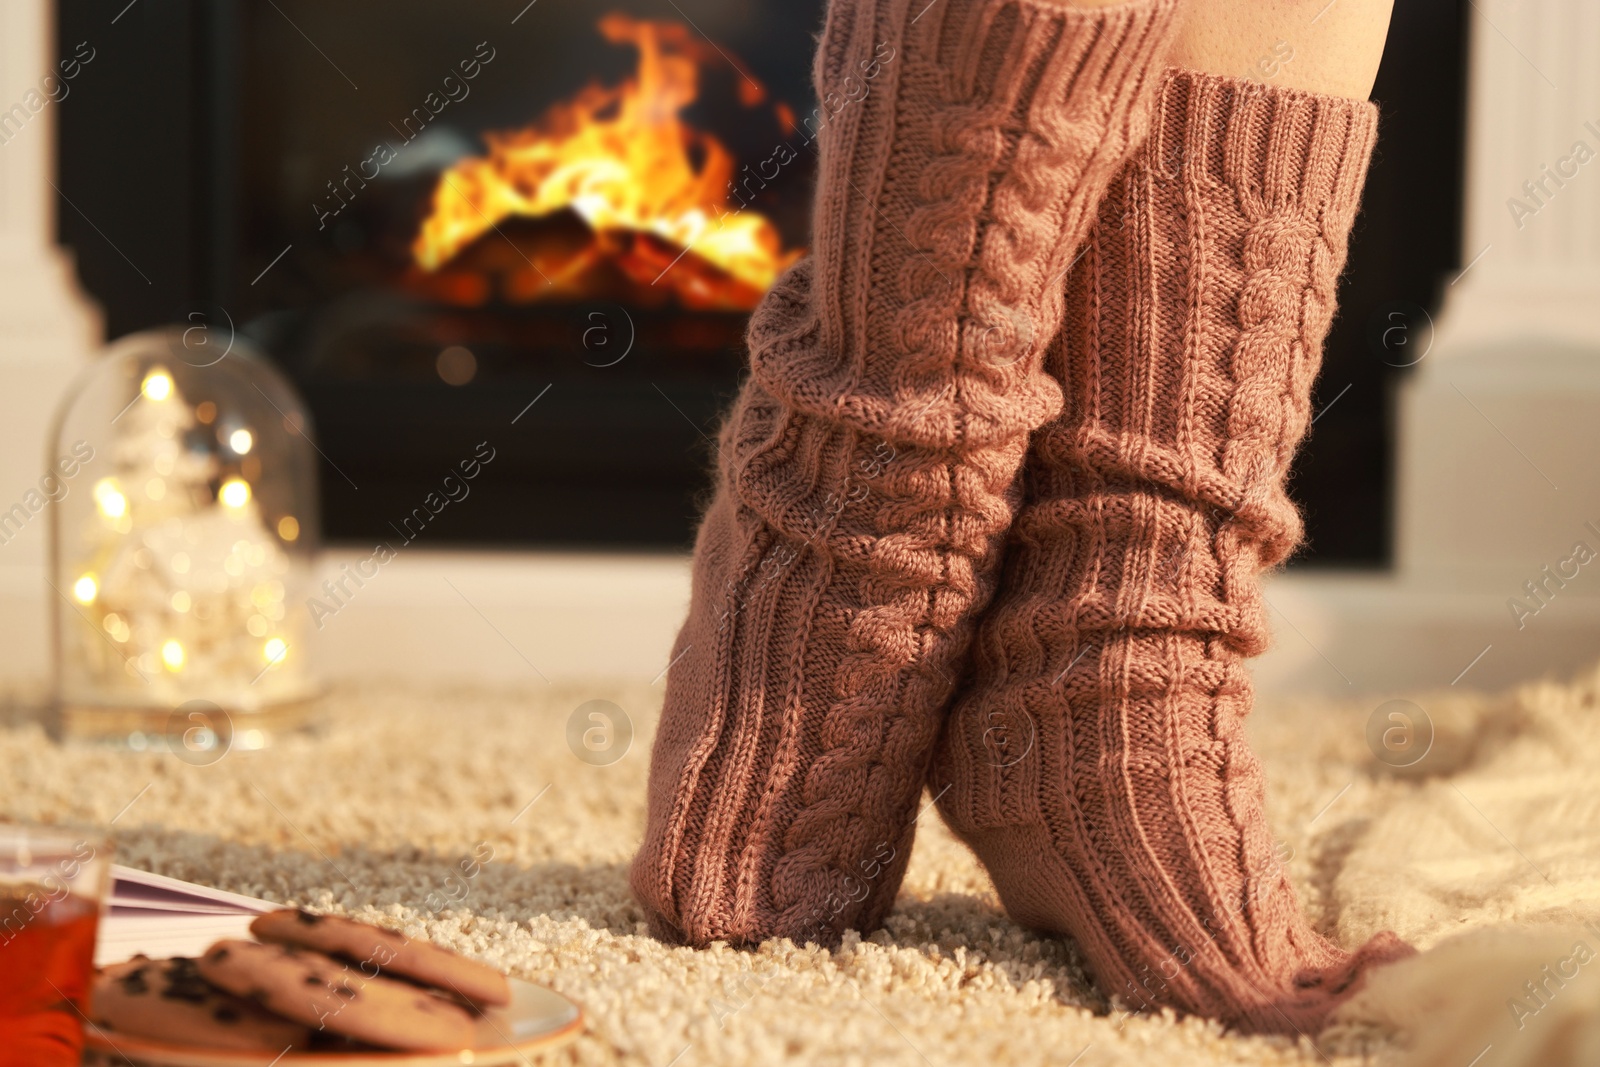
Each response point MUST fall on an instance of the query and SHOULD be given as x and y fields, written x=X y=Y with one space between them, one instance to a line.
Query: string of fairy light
x=241 y=548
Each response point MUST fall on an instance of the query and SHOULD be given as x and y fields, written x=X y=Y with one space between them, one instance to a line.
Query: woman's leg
x=867 y=475
x=1321 y=46
x=1097 y=762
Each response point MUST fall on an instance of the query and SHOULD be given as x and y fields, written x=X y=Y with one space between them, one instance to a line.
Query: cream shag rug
x=462 y=815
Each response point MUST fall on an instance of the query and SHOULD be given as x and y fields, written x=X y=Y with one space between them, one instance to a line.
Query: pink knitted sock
x=1097 y=764
x=868 y=472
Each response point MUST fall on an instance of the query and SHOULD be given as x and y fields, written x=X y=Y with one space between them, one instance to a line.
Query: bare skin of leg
x=1322 y=46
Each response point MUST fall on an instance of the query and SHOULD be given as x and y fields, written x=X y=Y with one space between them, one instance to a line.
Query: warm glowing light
x=86 y=589
x=622 y=159
x=157 y=385
x=289 y=528
x=258 y=625
x=155 y=488
x=172 y=655
x=241 y=441
x=456 y=365
x=206 y=412
x=182 y=601
x=235 y=493
x=274 y=650
x=108 y=495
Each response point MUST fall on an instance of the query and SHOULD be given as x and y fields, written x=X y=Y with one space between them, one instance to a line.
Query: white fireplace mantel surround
x=1499 y=458
x=48 y=329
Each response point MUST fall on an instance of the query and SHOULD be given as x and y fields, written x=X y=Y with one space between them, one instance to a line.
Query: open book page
x=160 y=916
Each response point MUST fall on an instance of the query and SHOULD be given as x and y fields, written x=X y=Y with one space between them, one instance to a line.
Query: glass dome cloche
x=182 y=548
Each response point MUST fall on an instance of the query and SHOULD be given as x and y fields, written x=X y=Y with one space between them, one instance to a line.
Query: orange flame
x=622 y=160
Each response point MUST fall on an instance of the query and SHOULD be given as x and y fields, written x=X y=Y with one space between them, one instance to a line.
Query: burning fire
x=622 y=161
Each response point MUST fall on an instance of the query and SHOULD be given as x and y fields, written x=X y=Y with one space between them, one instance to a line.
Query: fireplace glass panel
x=544 y=235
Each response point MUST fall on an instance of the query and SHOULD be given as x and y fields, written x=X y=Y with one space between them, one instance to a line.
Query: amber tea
x=51 y=885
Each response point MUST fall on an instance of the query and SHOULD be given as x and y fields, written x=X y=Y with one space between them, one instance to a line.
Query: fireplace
x=543 y=234
x=536 y=228
x=539 y=228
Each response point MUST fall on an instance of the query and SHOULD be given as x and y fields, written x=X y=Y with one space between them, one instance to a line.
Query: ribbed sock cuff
x=1278 y=149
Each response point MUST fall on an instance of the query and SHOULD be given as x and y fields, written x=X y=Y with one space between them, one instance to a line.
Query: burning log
x=649 y=191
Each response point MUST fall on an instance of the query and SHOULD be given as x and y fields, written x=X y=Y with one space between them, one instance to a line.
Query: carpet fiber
x=463 y=815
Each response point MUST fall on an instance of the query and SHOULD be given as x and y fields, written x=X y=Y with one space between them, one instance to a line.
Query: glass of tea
x=52 y=883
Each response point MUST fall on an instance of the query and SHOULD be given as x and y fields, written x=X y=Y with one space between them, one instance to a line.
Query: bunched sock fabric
x=1097 y=761
x=867 y=473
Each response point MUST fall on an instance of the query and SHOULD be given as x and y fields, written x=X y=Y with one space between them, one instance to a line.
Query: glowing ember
x=652 y=190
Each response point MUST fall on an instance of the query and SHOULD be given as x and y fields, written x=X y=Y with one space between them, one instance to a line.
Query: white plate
x=536 y=1019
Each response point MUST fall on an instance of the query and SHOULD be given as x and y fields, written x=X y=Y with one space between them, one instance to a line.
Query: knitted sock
x=1097 y=763
x=867 y=473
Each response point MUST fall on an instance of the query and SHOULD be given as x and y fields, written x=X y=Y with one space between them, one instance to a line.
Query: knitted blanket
x=464 y=815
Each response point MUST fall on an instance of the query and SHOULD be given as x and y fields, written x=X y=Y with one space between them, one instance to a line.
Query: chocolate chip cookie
x=168 y=1000
x=386 y=951
x=332 y=996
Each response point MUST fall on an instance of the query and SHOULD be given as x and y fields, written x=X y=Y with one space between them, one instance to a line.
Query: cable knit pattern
x=868 y=471
x=1097 y=762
